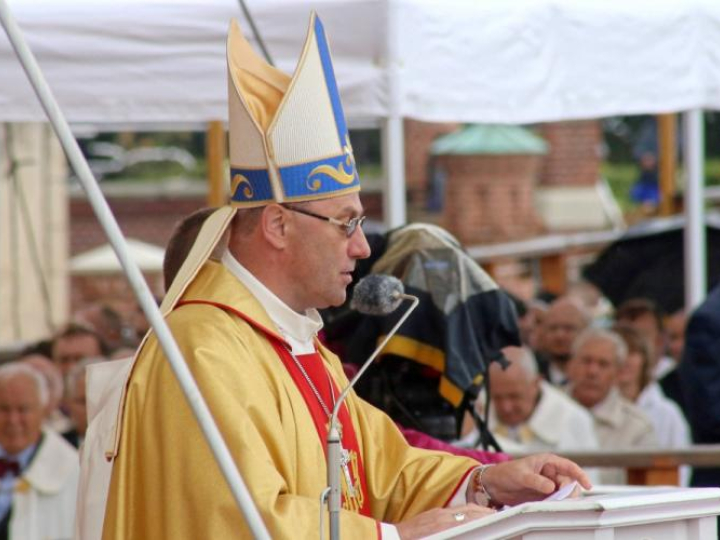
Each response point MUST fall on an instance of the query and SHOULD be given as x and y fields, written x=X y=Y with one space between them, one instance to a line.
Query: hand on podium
x=532 y=478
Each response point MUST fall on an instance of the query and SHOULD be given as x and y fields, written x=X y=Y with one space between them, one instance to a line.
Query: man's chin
x=334 y=301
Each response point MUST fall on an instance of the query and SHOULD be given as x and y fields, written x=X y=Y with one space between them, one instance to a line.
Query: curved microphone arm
x=415 y=301
x=333 y=440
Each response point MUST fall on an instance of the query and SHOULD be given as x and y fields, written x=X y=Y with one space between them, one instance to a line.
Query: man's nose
x=592 y=370
x=358 y=248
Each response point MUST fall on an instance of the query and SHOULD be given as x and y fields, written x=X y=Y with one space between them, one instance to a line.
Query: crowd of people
x=578 y=382
x=43 y=419
x=584 y=382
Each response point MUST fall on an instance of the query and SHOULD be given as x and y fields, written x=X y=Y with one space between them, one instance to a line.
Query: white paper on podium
x=562 y=493
x=559 y=495
x=657 y=513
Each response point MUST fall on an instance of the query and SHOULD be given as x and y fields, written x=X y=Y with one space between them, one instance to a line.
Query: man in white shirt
x=593 y=373
x=38 y=469
x=562 y=323
x=529 y=414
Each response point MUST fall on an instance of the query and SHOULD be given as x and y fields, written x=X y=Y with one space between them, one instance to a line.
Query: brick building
x=486 y=176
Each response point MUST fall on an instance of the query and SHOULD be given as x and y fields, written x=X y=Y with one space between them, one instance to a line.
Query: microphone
x=376 y=294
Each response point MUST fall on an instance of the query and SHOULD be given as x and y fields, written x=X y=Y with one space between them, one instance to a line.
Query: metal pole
x=695 y=241
x=394 y=211
x=255 y=32
x=667 y=162
x=147 y=302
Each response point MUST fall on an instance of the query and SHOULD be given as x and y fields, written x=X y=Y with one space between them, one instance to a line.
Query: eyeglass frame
x=349 y=226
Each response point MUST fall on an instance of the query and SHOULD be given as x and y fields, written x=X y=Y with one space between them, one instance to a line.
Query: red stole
x=315 y=368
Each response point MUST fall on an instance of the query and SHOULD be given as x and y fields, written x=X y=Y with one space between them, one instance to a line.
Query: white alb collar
x=299 y=330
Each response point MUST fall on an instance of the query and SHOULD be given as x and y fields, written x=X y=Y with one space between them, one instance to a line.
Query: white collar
x=299 y=330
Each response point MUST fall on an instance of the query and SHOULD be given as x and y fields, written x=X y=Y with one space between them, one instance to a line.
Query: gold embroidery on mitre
x=237 y=181
x=353 y=502
x=339 y=174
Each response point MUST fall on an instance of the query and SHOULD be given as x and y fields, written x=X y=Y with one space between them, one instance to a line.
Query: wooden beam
x=663 y=472
x=215 y=153
x=667 y=154
x=490 y=268
x=553 y=273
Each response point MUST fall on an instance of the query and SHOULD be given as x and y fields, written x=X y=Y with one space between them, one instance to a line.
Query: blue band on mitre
x=305 y=181
x=250 y=185
x=320 y=177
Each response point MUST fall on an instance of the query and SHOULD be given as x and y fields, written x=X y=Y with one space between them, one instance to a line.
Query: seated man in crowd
x=107 y=322
x=529 y=414
x=593 y=374
x=38 y=469
x=675 y=325
x=76 y=400
x=646 y=317
x=562 y=323
x=74 y=343
x=55 y=418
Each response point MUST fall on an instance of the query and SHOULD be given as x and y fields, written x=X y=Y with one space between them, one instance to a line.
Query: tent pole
x=140 y=287
x=667 y=155
x=695 y=232
x=394 y=211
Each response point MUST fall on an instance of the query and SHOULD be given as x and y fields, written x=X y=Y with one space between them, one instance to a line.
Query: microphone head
x=377 y=294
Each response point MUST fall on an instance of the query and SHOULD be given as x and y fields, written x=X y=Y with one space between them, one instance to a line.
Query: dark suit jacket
x=700 y=379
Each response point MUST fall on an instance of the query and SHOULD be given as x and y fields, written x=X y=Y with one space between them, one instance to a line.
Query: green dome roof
x=477 y=139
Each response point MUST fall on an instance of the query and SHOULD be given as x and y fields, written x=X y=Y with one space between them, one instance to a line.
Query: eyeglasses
x=348 y=226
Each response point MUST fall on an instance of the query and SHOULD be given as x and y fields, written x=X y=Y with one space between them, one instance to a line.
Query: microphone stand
x=334 y=443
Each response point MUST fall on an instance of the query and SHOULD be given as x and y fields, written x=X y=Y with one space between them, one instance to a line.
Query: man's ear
x=274 y=225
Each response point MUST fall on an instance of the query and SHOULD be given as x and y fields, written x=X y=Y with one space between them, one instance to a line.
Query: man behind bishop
x=247 y=327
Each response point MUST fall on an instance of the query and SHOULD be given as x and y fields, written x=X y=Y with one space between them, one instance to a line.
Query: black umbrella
x=444 y=348
x=648 y=262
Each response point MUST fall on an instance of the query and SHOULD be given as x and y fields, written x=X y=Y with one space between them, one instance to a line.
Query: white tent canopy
x=136 y=61
x=163 y=61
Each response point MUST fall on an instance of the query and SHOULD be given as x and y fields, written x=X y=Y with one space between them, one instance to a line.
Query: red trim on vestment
x=234 y=311
x=464 y=476
x=315 y=368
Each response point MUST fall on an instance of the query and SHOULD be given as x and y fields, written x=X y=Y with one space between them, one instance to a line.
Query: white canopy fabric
x=136 y=61
x=102 y=259
x=163 y=61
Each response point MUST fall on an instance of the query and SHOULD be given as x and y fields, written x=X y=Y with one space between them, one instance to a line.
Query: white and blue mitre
x=288 y=136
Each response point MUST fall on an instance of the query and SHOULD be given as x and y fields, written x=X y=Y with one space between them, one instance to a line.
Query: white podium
x=637 y=514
